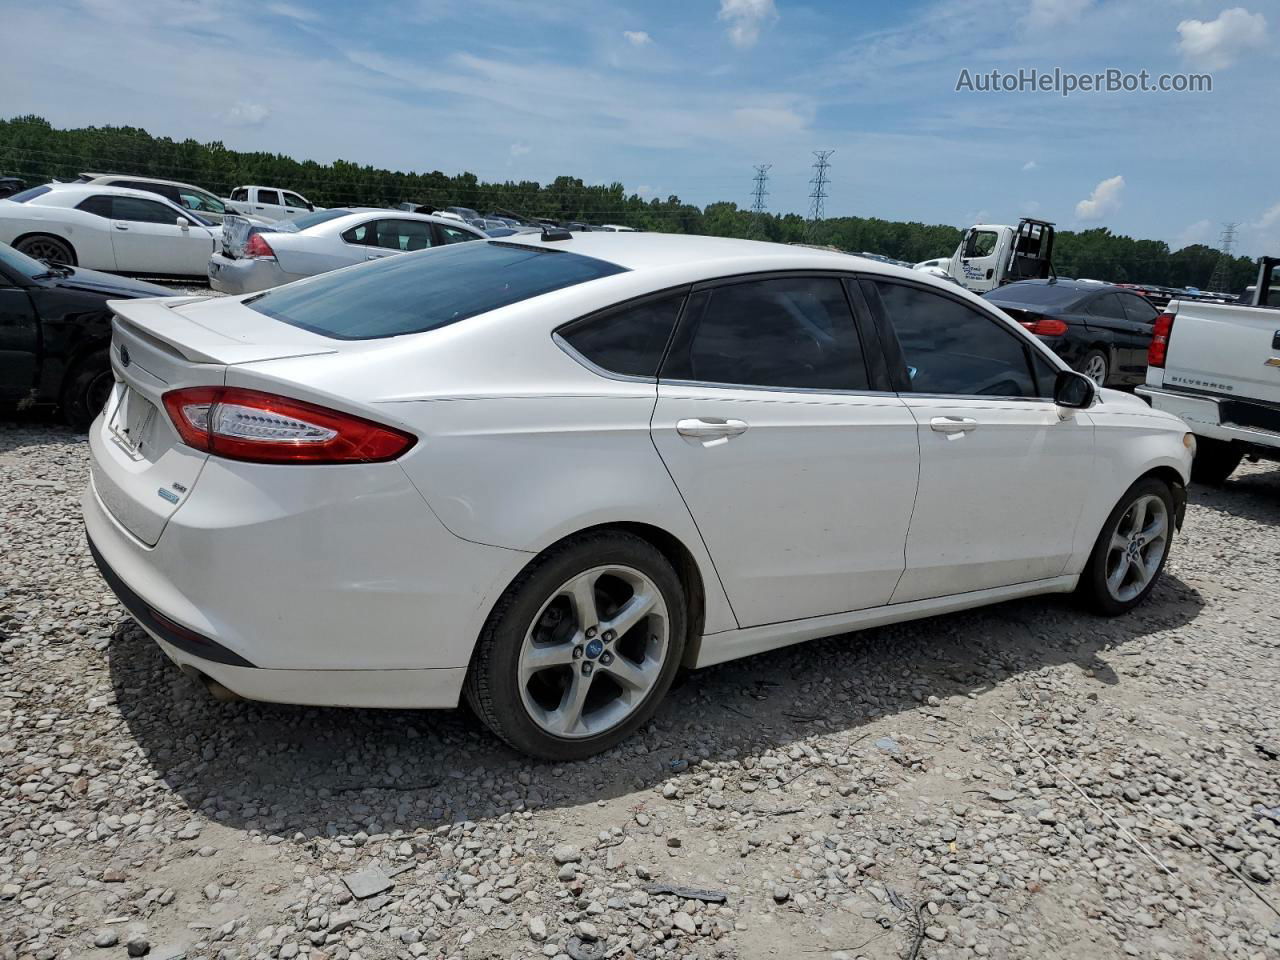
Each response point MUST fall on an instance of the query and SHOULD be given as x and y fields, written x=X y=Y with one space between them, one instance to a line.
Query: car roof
x=97 y=189
x=646 y=251
x=1083 y=286
x=387 y=213
x=139 y=179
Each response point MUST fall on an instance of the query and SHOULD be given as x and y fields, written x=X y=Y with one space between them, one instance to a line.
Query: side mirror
x=1074 y=390
x=183 y=222
x=311 y=207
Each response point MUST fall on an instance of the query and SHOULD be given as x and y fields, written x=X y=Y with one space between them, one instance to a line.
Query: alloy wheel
x=41 y=249
x=594 y=652
x=1095 y=369
x=1137 y=547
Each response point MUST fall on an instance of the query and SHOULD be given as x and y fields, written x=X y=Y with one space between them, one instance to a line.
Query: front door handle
x=121 y=226
x=952 y=424
x=711 y=428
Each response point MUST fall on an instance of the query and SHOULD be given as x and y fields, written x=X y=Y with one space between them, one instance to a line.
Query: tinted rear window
x=31 y=194
x=1042 y=294
x=304 y=220
x=425 y=290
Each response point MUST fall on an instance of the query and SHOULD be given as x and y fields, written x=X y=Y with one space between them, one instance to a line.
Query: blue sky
x=684 y=97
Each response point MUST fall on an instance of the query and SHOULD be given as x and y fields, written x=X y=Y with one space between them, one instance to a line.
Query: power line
x=1221 y=277
x=818 y=196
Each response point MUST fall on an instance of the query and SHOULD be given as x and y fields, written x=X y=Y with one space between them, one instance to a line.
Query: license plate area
x=132 y=422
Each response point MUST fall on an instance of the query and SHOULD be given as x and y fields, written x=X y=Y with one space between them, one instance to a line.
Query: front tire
x=581 y=648
x=1130 y=552
x=1215 y=461
x=42 y=246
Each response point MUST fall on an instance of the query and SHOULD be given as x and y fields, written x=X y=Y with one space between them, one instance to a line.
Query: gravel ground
x=1024 y=781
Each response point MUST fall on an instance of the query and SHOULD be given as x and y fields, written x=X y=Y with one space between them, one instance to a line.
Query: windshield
x=20 y=263
x=201 y=202
x=1041 y=294
x=425 y=290
x=31 y=194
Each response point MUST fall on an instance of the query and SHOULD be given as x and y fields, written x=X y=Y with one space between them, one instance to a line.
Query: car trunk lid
x=143 y=472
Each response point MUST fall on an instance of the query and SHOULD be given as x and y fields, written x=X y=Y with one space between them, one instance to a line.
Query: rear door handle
x=710 y=428
x=121 y=226
x=952 y=424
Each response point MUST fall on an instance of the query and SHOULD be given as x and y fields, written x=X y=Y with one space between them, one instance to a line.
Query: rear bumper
x=235 y=277
x=1204 y=415
x=342 y=591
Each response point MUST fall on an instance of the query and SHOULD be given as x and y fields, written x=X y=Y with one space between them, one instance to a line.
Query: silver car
x=257 y=258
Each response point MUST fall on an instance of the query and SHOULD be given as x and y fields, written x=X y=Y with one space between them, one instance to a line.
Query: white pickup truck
x=1217 y=366
x=268 y=203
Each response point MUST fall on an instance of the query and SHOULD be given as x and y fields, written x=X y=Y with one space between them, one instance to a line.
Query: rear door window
x=402 y=235
x=240 y=196
x=793 y=333
x=629 y=340
x=362 y=234
x=269 y=196
x=1108 y=306
x=400 y=295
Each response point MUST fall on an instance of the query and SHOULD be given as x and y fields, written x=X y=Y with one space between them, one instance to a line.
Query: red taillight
x=264 y=428
x=1045 y=326
x=1161 y=330
x=259 y=248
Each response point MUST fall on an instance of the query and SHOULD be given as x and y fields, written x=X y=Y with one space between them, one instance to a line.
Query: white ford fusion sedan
x=547 y=471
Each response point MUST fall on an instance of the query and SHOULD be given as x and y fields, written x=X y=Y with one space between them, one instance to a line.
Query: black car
x=11 y=185
x=55 y=328
x=1099 y=329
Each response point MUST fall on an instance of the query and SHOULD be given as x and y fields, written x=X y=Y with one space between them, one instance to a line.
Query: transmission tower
x=760 y=190
x=818 y=196
x=1222 y=270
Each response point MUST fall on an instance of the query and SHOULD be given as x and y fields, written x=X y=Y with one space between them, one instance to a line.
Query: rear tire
x=1096 y=367
x=85 y=391
x=550 y=677
x=42 y=246
x=1130 y=552
x=1215 y=461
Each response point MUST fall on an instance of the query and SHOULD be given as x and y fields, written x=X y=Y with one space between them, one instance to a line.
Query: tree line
x=31 y=148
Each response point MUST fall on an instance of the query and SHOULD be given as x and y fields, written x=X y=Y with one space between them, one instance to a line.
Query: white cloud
x=1030 y=208
x=1029 y=166
x=517 y=150
x=1105 y=199
x=745 y=18
x=644 y=190
x=292 y=12
x=1270 y=218
x=1199 y=232
x=638 y=38
x=769 y=119
x=1051 y=13
x=1217 y=44
x=245 y=114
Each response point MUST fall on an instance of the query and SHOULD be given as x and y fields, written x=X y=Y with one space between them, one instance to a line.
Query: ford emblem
x=124 y=355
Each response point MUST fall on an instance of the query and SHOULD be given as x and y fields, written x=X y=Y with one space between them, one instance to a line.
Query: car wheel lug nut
x=591 y=632
x=610 y=636
x=577 y=653
x=587 y=668
x=606 y=659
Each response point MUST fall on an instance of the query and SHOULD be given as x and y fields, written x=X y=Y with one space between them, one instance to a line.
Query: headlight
x=1189 y=441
